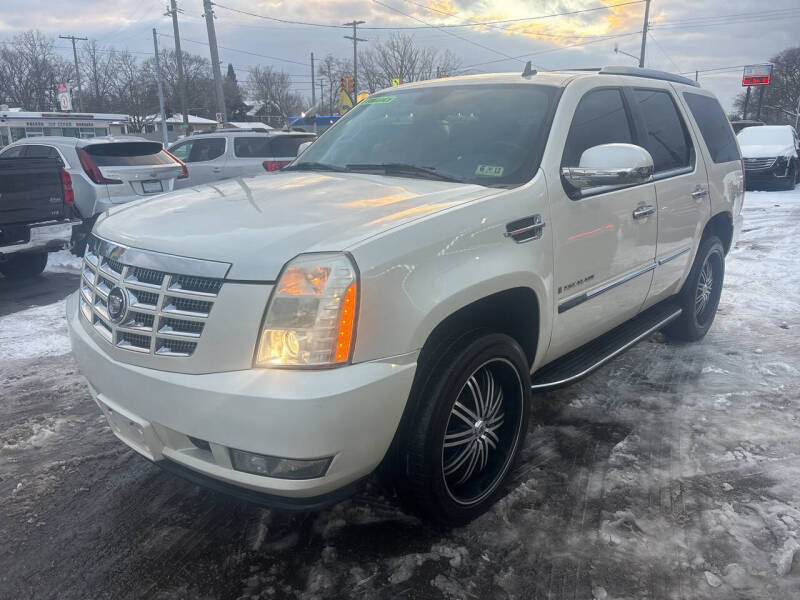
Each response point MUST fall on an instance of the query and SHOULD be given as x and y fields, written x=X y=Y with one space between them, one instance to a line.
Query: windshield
x=484 y=134
x=765 y=136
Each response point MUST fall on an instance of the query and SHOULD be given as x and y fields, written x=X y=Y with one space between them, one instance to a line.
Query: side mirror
x=610 y=165
x=303 y=147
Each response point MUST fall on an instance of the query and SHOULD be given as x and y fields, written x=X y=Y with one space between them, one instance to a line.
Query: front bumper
x=777 y=171
x=44 y=237
x=350 y=413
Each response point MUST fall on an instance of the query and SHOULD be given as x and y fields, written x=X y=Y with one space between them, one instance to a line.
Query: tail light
x=66 y=185
x=275 y=165
x=184 y=171
x=91 y=168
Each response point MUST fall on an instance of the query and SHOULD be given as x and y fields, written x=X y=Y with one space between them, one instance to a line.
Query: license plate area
x=152 y=186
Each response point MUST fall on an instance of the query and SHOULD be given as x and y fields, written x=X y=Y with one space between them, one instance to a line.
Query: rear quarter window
x=251 y=147
x=714 y=127
x=287 y=145
x=665 y=136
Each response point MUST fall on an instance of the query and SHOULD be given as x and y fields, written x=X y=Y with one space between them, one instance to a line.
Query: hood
x=259 y=223
x=766 y=150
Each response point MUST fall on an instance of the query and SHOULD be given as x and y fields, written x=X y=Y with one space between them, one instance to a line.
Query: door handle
x=216 y=170
x=644 y=211
x=700 y=192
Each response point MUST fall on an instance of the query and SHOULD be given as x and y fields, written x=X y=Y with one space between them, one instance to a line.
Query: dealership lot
x=669 y=473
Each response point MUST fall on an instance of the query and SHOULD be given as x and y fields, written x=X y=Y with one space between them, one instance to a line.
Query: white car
x=105 y=171
x=397 y=294
x=771 y=155
x=224 y=154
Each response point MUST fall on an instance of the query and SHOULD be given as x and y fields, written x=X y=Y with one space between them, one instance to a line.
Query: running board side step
x=593 y=355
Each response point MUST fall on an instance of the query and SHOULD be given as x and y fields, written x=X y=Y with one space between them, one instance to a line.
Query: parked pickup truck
x=36 y=214
x=396 y=296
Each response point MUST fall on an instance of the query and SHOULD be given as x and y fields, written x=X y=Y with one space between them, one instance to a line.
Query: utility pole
x=313 y=87
x=746 y=102
x=697 y=75
x=173 y=12
x=212 y=42
x=355 y=39
x=164 y=138
x=321 y=92
x=77 y=70
x=644 y=32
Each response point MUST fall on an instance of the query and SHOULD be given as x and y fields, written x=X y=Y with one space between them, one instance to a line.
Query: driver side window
x=601 y=118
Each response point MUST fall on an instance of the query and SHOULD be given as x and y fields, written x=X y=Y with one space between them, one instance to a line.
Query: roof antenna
x=528 y=71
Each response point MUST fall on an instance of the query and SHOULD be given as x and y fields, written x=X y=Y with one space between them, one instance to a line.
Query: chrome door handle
x=700 y=192
x=216 y=170
x=644 y=211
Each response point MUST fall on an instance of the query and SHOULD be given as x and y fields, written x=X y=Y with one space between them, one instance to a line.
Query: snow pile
x=63 y=260
x=35 y=332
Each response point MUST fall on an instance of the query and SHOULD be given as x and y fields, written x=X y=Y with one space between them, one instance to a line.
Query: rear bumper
x=44 y=237
x=350 y=414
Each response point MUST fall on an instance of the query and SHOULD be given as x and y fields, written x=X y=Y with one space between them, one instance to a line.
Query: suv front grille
x=163 y=313
x=757 y=164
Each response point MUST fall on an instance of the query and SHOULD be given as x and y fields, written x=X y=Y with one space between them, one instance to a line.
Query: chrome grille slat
x=758 y=163
x=166 y=312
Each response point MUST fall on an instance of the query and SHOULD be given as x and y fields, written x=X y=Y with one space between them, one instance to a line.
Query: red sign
x=756 y=75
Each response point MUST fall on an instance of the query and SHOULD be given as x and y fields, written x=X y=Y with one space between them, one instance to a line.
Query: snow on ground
x=670 y=473
x=35 y=332
x=63 y=260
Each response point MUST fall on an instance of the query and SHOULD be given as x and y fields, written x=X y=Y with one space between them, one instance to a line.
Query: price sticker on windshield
x=378 y=100
x=489 y=171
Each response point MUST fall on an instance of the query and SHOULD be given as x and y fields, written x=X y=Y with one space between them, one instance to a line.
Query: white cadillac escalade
x=396 y=295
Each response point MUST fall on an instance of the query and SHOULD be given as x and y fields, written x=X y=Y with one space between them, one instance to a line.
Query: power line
x=600 y=39
x=450 y=33
x=664 y=52
x=429 y=26
x=241 y=51
x=762 y=13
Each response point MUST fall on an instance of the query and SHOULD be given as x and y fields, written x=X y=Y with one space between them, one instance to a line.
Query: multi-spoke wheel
x=469 y=426
x=701 y=292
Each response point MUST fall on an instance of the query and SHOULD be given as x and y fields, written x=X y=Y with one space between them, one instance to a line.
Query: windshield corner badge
x=117 y=304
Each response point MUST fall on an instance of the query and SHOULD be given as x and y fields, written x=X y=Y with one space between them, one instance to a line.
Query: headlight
x=310 y=319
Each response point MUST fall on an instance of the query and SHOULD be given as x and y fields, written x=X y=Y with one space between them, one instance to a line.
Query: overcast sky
x=686 y=35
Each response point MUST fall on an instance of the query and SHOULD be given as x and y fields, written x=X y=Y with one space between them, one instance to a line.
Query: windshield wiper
x=315 y=166
x=403 y=168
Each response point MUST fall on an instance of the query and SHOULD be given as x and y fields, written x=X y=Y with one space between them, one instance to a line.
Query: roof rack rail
x=648 y=73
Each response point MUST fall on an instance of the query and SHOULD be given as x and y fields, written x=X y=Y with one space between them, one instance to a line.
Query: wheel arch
x=721 y=225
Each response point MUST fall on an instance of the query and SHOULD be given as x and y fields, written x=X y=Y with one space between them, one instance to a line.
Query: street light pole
x=164 y=138
x=355 y=39
x=173 y=12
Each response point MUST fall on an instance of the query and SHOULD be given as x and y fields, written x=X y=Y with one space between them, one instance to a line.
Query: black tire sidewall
x=423 y=447
x=24 y=265
x=687 y=327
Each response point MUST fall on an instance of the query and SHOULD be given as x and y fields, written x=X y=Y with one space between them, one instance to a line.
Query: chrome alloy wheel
x=705 y=287
x=482 y=432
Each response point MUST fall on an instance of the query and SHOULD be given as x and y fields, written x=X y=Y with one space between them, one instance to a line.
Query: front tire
x=700 y=295
x=470 y=423
x=24 y=265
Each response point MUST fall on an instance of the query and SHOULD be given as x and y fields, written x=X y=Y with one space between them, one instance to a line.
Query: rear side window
x=599 y=119
x=665 y=136
x=39 y=151
x=207 y=149
x=714 y=127
x=14 y=152
x=128 y=154
x=287 y=145
x=251 y=147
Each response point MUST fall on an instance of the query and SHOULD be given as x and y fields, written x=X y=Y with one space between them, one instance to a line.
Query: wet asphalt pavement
x=672 y=472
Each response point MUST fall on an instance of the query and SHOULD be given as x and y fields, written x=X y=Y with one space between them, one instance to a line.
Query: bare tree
x=133 y=90
x=29 y=70
x=399 y=57
x=331 y=69
x=273 y=89
x=97 y=64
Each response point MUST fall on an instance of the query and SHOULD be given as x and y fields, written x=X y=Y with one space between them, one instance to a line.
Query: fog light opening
x=280 y=468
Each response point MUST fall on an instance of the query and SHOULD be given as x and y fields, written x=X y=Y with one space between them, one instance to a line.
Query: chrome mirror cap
x=610 y=165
